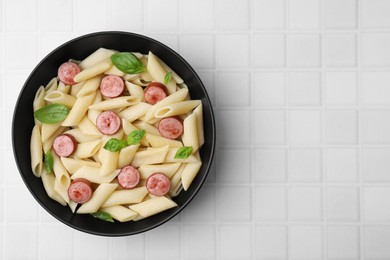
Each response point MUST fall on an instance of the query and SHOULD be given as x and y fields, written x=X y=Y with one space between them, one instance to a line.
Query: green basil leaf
x=48 y=162
x=183 y=152
x=115 y=145
x=127 y=63
x=103 y=216
x=167 y=77
x=52 y=114
x=135 y=137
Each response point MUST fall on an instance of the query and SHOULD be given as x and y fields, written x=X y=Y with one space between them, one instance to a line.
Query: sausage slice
x=158 y=184
x=112 y=86
x=128 y=177
x=170 y=127
x=64 y=145
x=155 y=92
x=108 y=122
x=80 y=191
x=67 y=71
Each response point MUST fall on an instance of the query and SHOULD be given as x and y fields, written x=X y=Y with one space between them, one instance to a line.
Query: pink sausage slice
x=80 y=191
x=170 y=127
x=108 y=122
x=155 y=92
x=67 y=71
x=112 y=86
x=64 y=145
x=128 y=177
x=158 y=184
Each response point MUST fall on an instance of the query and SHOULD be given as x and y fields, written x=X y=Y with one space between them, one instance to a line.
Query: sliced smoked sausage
x=128 y=177
x=155 y=92
x=67 y=71
x=64 y=145
x=108 y=122
x=158 y=184
x=112 y=86
x=170 y=127
x=80 y=191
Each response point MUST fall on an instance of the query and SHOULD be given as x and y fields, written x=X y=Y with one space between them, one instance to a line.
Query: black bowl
x=23 y=123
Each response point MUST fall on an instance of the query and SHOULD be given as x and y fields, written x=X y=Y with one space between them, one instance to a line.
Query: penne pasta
x=168 y=169
x=153 y=206
x=159 y=141
x=189 y=173
x=120 y=213
x=176 y=180
x=47 y=145
x=96 y=57
x=158 y=72
x=190 y=133
x=109 y=162
x=199 y=122
x=135 y=90
x=87 y=149
x=48 y=130
x=150 y=156
x=51 y=86
x=80 y=136
x=39 y=102
x=92 y=113
x=76 y=88
x=120 y=197
x=174 y=74
x=62 y=181
x=93 y=70
x=114 y=71
x=126 y=155
x=48 y=181
x=115 y=103
x=63 y=88
x=89 y=128
x=90 y=86
x=73 y=165
x=102 y=192
x=176 y=109
x=78 y=110
x=147 y=127
x=36 y=151
x=92 y=174
x=134 y=112
x=60 y=98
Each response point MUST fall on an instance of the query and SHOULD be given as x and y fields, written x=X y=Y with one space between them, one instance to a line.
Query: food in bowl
x=116 y=135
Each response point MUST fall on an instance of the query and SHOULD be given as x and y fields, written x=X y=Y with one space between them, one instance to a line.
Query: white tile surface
x=301 y=95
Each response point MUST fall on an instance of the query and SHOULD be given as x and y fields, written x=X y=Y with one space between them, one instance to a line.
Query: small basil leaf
x=183 y=152
x=167 y=77
x=115 y=145
x=135 y=137
x=48 y=162
x=103 y=216
x=127 y=63
x=52 y=114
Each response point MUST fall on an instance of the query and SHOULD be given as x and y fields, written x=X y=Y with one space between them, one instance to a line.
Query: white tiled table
x=301 y=91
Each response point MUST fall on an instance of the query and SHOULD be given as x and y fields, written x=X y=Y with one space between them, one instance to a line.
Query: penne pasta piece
x=102 y=192
x=114 y=71
x=88 y=128
x=126 y=155
x=80 y=136
x=150 y=156
x=199 y=122
x=96 y=57
x=130 y=77
x=72 y=205
x=176 y=180
x=178 y=96
x=159 y=141
x=62 y=181
x=76 y=88
x=36 y=151
x=92 y=113
x=51 y=86
x=48 y=181
x=130 y=196
x=171 y=157
x=168 y=169
x=93 y=70
x=109 y=162
x=60 y=98
x=190 y=132
x=92 y=174
x=73 y=165
x=90 y=86
x=47 y=145
x=134 y=112
x=48 y=130
x=87 y=149
x=176 y=191
x=189 y=173
x=120 y=213
x=158 y=72
x=153 y=206
x=174 y=74
x=39 y=102
x=63 y=88
x=147 y=127
x=78 y=110
x=176 y=109
x=115 y=103
x=135 y=90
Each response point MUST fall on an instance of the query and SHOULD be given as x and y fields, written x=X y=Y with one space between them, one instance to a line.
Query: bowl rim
x=212 y=123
